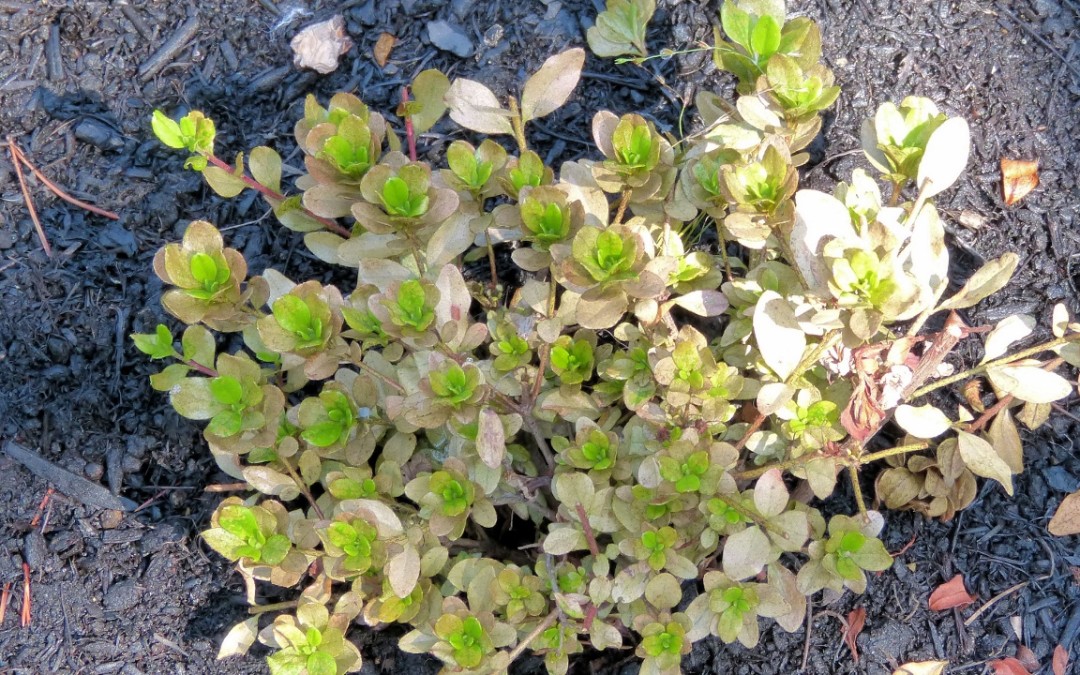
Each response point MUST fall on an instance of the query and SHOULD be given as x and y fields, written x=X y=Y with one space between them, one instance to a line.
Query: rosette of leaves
x=528 y=170
x=620 y=28
x=545 y=216
x=895 y=140
x=400 y=197
x=841 y=559
x=732 y=609
x=448 y=498
x=636 y=157
x=801 y=92
x=874 y=287
x=241 y=408
x=450 y=390
x=207 y=279
x=304 y=327
x=463 y=640
x=760 y=186
x=406 y=309
x=609 y=268
x=756 y=31
x=592 y=450
x=256 y=537
x=810 y=420
x=311 y=643
x=472 y=170
x=663 y=643
x=353 y=547
x=341 y=143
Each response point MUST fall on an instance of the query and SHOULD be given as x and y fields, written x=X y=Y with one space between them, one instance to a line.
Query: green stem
x=1003 y=361
x=273 y=607
x=517 y=125
x=749 y=515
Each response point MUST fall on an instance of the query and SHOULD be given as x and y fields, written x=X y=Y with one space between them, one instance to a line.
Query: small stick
x=170 y=48
x=54 y=187
x=26 y=196
x=989 y=603
x=410 y=133
x=536 y=632
x=24 y=618
x=809 y=628
x=41 y=508
x=226 y=487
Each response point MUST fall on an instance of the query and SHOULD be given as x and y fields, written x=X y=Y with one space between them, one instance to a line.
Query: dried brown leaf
x=1027 y=658
x=1060 y=660
x=383 y=46
x=1018 y=177
x=950 y=594
x=1008 y=666
x=1067 y=519
x=856 y=619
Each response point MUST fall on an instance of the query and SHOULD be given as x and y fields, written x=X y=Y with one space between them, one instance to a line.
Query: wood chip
x=73 y=486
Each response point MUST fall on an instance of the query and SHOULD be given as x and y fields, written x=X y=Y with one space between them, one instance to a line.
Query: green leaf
x=226 y=389
x=224 y=183
x=239 y=521
x=321 y=663
x=265 y=166
x=736 y=23
x=156 y=345
x=429 y=89
x=765 y=38
x=323 y=434
x=275 y=549
x=167 y=130
x=292 y=314
x=226 y=423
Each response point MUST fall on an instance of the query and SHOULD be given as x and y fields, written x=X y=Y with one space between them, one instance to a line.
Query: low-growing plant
x=560 y=463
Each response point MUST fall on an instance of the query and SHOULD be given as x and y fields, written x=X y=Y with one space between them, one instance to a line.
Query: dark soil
x=136 y=592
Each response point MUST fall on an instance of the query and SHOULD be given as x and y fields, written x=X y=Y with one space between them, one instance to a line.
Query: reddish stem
x=410 y=133
x=594 y=548
x=200 y=367
x=25 y=616
x=271 y=194
x=5 y=597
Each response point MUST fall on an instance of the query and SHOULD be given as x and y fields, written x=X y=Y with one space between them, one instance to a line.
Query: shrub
x=554 y=464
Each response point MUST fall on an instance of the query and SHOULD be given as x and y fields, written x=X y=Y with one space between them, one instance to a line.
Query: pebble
x=122 y=596
x=35 y=550
x=449 y=37
x=93 y=471
x=111 y=518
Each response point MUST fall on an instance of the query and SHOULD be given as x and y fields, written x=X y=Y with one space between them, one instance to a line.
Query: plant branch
x=26 y=196
x=410 y=132
x=272 y=607
x=272 y=194
x=624 y=201
x=536 y=632
x=379 y=376
x=1005 y=402
x=1003 y=361
x=190 y=363
x=594 y=548
x=891 y=452
x=302 y=486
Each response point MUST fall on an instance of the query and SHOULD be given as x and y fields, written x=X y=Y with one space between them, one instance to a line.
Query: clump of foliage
x=648 y=418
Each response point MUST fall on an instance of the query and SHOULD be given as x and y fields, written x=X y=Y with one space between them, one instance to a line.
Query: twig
x=536 y=632
x=989 y=603
x=302 y=486
x=1038 y=38
x=41 y=507
x=594 y=548
x=56 y=190
x=24 y=616
x=26 y=197
x=272 y=607
x=226 y=487
x=5 y=598
x=624 y=201
x=809 y=628
x=170 y=48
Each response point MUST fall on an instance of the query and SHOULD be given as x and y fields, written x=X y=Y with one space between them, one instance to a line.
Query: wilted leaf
x=945 y=156
x=550 y=86
x=1018 y=177
x=1060 y=660
x=950 y=594
x=1009 y=330
x=856 y=619
x=1066 y=520
x=745 y=553
x=239 y=639
x=989 y=279
x=1030 y=383
x=383 y=46
x=1005 y=438
x=1008 y=666
x=703 y=303
x=924 y=421
x=429 y=91
x=663 y=591
x=475 y=107
x=771 y=494
x=922 y=668
x=979 y=456
x=490 y=438
x=779 y=338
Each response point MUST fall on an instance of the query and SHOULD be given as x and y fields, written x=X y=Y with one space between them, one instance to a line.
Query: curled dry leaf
x=1018 y=177
x=1060 y=660
x=856 y=619
x=950 y=594
x=922 y=668
x=1008 y=666
x=319 y=46
x=1067 y=519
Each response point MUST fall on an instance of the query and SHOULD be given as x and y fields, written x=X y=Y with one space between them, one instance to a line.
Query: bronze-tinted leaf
x=1066 y=519
x=856 y=619
x=383 y=46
